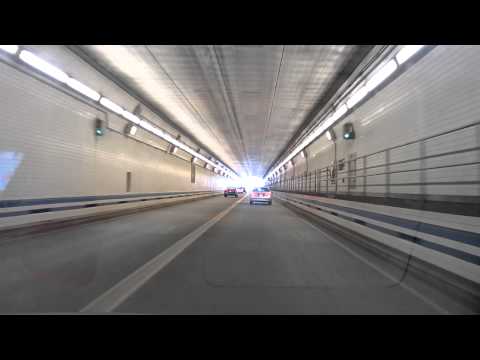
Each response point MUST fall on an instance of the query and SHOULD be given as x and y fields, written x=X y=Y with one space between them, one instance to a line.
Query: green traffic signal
x=99 y=127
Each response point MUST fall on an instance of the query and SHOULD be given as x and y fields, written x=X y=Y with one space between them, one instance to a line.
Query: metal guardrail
x=62 y=216
x=333 y=180
x=36 y=206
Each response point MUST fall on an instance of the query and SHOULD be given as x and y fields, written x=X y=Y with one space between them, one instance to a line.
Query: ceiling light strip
x=360 y=91
x=54 y=72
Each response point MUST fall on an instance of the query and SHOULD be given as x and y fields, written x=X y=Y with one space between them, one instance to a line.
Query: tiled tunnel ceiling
x=244 y=103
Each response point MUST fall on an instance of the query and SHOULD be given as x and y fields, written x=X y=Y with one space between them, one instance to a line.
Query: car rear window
x=263 y=189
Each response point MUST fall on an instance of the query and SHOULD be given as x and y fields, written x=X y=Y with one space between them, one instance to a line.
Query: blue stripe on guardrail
x=465 y=237
x=471 y=258
x=74 y=207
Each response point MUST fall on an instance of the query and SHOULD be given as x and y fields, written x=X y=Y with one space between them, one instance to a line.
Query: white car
x=261 y=195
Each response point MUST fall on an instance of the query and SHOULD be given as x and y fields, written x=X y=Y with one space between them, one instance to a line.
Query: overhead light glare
x=381 y=75
x=146 y=125
x=45 y=67
x=83 y=89
x=129 y=116
x=407 y=52
x=11 y=49
x=177 y=144
x=133 y=130
x=357 y=96
x=378 y=77
x=109 y=104
x=339 y=112
x=329 y=135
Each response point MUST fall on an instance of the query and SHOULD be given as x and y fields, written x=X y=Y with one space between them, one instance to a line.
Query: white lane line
x=116 y=295
x=382 y=272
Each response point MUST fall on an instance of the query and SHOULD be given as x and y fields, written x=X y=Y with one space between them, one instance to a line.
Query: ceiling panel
x=244 y=103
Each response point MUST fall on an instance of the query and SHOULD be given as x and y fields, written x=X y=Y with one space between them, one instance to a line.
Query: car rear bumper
x=266 y=200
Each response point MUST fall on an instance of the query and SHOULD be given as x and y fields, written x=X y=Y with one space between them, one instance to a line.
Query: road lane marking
x=116 y=295
x=382 y=272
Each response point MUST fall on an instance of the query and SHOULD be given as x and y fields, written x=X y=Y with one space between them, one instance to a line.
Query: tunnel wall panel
x=53 y=132
x=439 y=93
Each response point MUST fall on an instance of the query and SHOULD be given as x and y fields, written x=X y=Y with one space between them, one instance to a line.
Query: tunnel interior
x=240 y=179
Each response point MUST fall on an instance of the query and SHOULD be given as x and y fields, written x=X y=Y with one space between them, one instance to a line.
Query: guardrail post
x=423 y=188
x=336 y=178
x=319 y=181
x=387 y=173
x=364 y=175
x=328 y=178
x=310 y=181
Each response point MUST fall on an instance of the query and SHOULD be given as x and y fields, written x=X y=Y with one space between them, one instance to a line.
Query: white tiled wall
x=62 y=156
x=438 y=93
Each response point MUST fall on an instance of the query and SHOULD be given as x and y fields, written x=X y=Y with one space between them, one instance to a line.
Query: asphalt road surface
x=188 y=259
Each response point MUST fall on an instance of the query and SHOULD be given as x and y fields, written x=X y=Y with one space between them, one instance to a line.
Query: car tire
x=224 y=195
x=270 y=203
x=251 y=202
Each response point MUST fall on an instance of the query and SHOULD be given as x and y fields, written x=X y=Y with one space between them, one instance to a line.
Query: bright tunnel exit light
x=11 y=49
x=407 y=52
x=251 y=182
x=45 y=67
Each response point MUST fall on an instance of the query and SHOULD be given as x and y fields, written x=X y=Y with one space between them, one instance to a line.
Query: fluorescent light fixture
x=339 y=112
x=329 y=135
x=83 y=89
x=381 y=75
x=150 y=127
x=302 y=153
x=129 y=116
x=133 y=130
x=357 y=96
x=109 y=104
x=407 y=52
x=45 y=67
x=11 y=49
x=158 y=132
x=146 y=125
